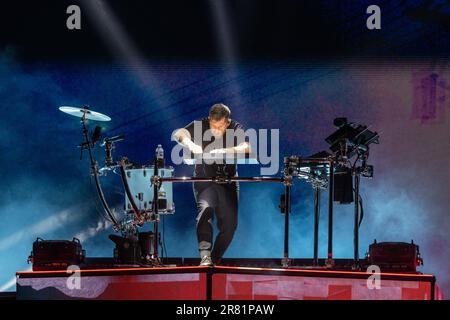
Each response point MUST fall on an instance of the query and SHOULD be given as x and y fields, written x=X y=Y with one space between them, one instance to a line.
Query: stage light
x=225 y=43
x=120 y=44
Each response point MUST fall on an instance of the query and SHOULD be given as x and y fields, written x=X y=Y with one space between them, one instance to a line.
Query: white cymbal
x=88 y=114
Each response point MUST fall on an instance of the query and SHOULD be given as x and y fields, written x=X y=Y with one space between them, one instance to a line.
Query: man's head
x=219 y=119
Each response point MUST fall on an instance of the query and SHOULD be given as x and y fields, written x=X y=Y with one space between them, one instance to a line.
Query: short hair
x=219 y=111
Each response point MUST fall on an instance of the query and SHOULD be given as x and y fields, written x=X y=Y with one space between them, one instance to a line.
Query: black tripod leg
x=330 y=262
x=356 y=225
x=316 y=226
x=287 y=208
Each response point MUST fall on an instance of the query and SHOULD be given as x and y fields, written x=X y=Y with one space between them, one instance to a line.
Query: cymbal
x=80 y=112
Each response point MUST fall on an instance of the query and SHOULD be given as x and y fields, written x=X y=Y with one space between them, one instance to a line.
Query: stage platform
x=221 y=283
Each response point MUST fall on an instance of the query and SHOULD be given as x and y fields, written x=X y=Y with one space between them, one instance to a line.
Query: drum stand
x=285 y=262
x=317 y=186
x=330 y=261
x=287 y=180
x=293 y=167
x=316 y=225
x=356 y=264
x=156 y=181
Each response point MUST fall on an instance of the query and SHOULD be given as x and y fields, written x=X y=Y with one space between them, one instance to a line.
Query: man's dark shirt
x=213 y=170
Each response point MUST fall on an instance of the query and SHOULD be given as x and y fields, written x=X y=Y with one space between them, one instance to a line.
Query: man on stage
x=225 y=136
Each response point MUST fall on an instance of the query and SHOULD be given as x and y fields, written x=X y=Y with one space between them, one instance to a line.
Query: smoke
x=47 y=225
x=91 y=232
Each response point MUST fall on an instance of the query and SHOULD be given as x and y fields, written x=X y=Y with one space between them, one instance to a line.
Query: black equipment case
x=56 y=254
x=394 y=256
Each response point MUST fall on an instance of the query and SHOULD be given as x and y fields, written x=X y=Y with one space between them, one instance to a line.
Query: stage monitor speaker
x=394 y=256
x=56 y=254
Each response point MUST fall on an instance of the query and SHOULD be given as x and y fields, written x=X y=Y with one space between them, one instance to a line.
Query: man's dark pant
x=221 y=200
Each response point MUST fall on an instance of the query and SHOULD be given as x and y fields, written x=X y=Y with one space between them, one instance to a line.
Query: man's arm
x=242 y=148
x=183 y=137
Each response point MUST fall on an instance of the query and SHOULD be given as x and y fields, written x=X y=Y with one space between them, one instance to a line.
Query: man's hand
x=195 y=148
x=183 y=137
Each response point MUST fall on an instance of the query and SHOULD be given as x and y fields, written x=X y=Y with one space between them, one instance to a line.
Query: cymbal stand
x=94 y=171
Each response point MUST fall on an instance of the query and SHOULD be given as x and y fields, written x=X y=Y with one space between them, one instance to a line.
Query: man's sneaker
x=206 y=261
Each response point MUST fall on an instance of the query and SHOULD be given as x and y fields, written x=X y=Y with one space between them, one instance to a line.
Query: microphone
x=95 y=137
x=112 y=139
x=96 y=134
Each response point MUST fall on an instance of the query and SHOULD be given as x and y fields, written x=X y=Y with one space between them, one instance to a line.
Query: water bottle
x=160 y=156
